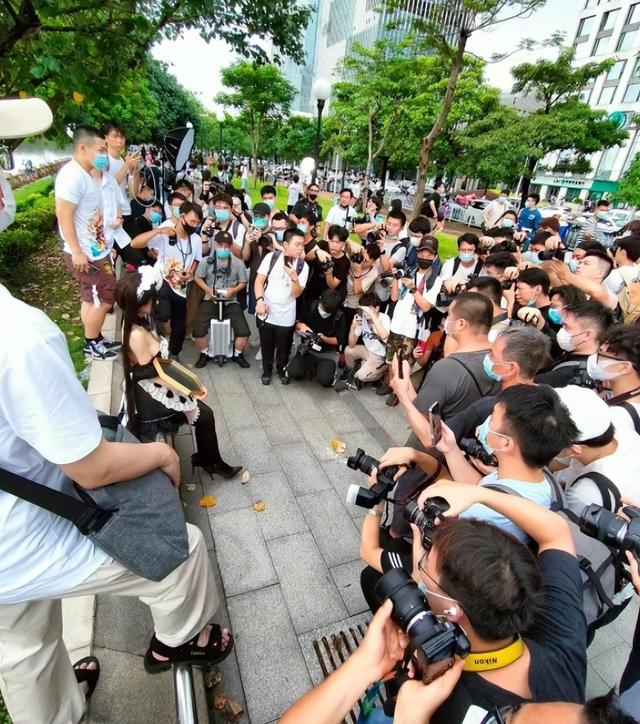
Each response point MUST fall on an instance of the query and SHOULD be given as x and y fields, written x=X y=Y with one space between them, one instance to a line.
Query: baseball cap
x=262 y=209
x=428 y=242
x=224 y=237
x=589 y=412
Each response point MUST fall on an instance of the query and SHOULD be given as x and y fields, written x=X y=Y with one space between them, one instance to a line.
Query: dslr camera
x=357 y=257
x=370 y=497
x=425 y=518
x=324 y=266
x=311 y=342
x=373 y=237
x=611 y=529
x=434 y=642
x=445 y=298
x=474 y=449
x=386 y=279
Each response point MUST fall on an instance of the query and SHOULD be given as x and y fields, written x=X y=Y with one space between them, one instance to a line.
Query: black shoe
x=383 y=389
x=202 y=360
x=266 y=379
x=392 y=400
x=284 y=378
x=240 y=360
x=227 y=471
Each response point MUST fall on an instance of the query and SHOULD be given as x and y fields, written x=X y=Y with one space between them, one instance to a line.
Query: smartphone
x=435 y=421
x=288 y=261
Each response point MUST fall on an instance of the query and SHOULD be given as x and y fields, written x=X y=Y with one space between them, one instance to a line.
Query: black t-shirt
x=317 y=282
x=136 y=225
x=303 y=205
x=557 y=644
x=333 y=326
x=463 y=424
x=564 y=370
x=426 y=207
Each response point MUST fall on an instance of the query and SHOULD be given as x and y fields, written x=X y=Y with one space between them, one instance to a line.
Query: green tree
x=368 y=103
x=51 y=48
x=457 y=20
x=260 y=93
x=628 y=191
x=289 y=139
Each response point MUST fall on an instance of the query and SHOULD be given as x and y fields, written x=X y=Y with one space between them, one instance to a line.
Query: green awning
x=604 y=187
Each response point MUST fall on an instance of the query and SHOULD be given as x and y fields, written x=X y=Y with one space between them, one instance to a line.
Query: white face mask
x=323 y=313
x=415 y=240
x=565 y=340
x=597 y=368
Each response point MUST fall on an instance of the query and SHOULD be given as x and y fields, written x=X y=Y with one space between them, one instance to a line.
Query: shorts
x=99 y=284
x=230 y=310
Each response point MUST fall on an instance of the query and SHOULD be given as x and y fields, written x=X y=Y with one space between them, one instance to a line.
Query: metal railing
x=186 y=709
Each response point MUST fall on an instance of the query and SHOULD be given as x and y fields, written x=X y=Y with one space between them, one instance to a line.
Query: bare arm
x=370 y=549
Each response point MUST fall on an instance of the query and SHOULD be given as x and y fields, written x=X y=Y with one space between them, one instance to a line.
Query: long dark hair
x=128 y=301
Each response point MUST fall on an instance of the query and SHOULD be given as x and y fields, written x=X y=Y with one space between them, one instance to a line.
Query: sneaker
x=284 y=378
x=202 y=360
x=240 y=360
x=115 y=346
x=392 y=400
x=97 y=350
x=266 y=379
x=383 y=390
x=342 y=362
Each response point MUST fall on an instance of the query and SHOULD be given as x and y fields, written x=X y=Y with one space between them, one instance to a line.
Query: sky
x=197 y=64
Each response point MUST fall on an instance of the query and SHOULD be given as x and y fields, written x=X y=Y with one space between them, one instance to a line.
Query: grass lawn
x=36 y=187
x=448 y=245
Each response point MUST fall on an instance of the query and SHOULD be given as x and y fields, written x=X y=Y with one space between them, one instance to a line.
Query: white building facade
x=606 y=29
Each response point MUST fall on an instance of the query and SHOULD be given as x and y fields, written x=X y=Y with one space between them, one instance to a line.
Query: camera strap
x=498 y=659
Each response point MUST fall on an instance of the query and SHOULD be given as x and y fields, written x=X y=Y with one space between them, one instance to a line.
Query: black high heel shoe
x=224 y=469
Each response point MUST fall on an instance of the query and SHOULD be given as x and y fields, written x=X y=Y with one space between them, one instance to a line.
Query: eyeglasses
x=424 y=572
x=608 y=356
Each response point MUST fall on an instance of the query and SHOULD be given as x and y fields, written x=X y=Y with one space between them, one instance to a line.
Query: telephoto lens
x=613 y=530
x=370 y=497
x=434 y=642
x=362 y=462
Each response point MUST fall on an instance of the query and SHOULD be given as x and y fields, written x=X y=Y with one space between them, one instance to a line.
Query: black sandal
x=91 y=676
x=189 y=653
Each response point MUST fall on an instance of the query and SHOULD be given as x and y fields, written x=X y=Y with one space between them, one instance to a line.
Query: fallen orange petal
x=208 y=501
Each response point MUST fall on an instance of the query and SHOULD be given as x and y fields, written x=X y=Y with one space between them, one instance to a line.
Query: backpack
x=456 y=266
x=628 y=309
x=606 y=590
x=580 y=377
x=632 y=412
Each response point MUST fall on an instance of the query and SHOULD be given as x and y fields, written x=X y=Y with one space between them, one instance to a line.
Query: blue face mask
x=155 y=218
x=101 y=161
x=175 y=210
x=482 y=433
x=532 y=257
x=508 y=223
x=270 y=203
x=555 y=316
x=487 y=366
x=573 y=265
x=222 y=214
x=466 y=256
x=279 y=234
x=303 y=228
x=260 y=222
x=223 y=253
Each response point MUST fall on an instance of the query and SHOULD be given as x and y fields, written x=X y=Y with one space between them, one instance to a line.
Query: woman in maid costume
x=153 y=406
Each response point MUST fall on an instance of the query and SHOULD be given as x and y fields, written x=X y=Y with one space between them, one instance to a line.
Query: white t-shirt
x=75 y=185
x=237 y=231
x=462 y=272
x=617 y=278
x=46 y=420
x=622 y=468
x=281 y=303
x=338 y=215
x=399 y=254
x=115 y=164
x=370 y=337
x=293 y=193
x=112 y=199
x=176 y=258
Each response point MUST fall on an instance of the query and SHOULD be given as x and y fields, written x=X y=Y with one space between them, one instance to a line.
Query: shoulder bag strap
x=606 y=488
x=473 y=377
x=633 y=414
x=87 y=517
x=272 y=263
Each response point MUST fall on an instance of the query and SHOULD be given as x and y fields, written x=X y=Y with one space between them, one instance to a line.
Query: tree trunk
x=427 y=142
x=367 y=171
x=526 y=181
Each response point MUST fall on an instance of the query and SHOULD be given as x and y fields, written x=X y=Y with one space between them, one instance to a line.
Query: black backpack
x=476 y=271
x=272 y=263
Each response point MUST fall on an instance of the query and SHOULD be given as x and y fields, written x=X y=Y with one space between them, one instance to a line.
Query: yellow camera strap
x=490 y=660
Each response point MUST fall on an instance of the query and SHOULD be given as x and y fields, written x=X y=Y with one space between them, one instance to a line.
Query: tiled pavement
x=294 y=567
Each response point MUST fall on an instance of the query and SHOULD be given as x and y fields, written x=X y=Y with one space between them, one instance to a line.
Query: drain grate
x=333 y=648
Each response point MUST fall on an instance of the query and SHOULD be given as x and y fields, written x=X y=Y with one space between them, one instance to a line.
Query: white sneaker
x=98 y=350
x=258 y=355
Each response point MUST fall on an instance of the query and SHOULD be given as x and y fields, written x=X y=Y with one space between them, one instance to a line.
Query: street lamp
x=321 y=91
x=220 y=117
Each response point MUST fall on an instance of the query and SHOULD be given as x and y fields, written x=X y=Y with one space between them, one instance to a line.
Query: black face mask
x=313 y=197
x=188 y=229
x=424 y=263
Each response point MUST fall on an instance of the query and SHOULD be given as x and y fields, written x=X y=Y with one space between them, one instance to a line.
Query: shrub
x=16 y=245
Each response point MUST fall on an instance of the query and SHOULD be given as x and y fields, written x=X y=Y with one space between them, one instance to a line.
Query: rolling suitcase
x=220 y=338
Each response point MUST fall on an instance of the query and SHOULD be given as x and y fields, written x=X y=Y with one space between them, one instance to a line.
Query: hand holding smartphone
x=435 y=421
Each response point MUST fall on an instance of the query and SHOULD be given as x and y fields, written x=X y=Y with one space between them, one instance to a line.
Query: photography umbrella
x=177 y=146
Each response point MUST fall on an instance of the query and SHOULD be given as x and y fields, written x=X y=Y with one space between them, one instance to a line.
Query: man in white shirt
x=86 y=251
x=293 y=193
x=225 y=221
x=598 y=448
x=627 y=271
x=343 y=214
x=49 y=433
x=494 y=210
x=281 y=279
x=373 y=326
x=179 y=251
x=125 y=171
x=465 y=264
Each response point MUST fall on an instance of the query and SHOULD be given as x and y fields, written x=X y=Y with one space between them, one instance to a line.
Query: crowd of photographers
x=517 y=366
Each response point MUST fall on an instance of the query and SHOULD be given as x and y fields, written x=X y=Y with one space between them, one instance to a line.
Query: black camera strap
x=473 y=377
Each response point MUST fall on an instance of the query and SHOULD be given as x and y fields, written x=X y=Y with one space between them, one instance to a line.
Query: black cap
x=428 y=242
